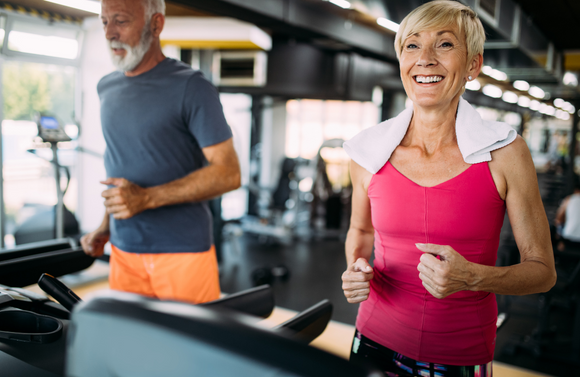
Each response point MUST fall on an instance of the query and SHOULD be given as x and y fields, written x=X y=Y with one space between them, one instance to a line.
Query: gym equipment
x=33 y=329
x=24 y=264
x=61 y=293
x=203 y=341
x=39 y=323
x=310 y=323
x=41 y=226
x=566 y=294
x=25 y=326
x=49 y=222
x=50 y=131
x=267 y=275
x=257 y=301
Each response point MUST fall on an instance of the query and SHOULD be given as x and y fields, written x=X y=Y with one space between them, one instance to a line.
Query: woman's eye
x=411 y=46
x=446 y=44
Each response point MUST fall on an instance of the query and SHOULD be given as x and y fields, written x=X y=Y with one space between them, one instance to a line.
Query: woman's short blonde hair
x=438 y=15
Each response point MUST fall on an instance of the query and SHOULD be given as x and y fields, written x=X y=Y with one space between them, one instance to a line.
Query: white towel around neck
x=477 y=138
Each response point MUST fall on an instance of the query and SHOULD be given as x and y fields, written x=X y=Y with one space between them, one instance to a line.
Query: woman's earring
x=470 y=78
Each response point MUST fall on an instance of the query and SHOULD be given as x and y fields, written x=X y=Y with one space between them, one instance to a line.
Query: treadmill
x=36 y=341
x=33 y=327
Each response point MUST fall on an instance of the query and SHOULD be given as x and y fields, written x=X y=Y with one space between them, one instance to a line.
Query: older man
x=169 y=149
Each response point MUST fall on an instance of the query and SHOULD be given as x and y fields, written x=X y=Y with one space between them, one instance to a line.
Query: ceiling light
x=559 y=102
x=524 y=101
x=388 y=24
x=509 y=97
x=498 y=75
x=521 y=85
x=570 y=79
x=547 y=109
x=494 y=73
x=341 y=3
x=569 y=107
x=473 y=85
x=86 y=5
x=543 y=108
x=536 y=92
x=513 y=119
x=492 y=91
x=534 y=105
x=562 y=115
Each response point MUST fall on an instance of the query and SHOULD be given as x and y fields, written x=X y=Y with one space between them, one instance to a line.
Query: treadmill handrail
x=310 y=323
x=258 y=301
x=34 y=248
x=20 y=272
x=230 y=331
x=13 y=263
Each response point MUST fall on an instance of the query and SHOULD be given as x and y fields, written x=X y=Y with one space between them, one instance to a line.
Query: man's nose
x=111 y=32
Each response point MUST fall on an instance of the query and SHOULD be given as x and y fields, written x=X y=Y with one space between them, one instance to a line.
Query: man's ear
x=157 y=23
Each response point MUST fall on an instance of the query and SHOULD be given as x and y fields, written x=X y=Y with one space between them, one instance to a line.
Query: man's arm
x=222 y=174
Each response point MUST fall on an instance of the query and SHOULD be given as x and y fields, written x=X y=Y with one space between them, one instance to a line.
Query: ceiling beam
x=304 y=19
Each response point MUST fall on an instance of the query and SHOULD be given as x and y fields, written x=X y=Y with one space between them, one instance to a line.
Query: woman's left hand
x=444 y=276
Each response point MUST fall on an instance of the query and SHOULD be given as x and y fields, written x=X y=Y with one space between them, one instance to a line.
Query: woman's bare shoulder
x=359 y=175
x=511 y=165
x=513 y=155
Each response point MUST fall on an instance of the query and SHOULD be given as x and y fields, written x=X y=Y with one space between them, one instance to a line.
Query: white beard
x=134 y=54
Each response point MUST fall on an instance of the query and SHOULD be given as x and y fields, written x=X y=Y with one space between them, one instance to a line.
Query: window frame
x=7 y=55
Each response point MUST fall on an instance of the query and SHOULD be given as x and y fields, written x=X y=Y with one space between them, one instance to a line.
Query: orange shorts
x=189 y=277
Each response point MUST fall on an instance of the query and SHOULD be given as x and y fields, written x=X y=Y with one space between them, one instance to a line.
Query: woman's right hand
x=356 y=281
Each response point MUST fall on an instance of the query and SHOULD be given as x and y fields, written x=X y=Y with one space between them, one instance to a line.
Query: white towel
x=372 y=148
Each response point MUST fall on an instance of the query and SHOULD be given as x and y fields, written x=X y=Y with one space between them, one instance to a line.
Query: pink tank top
x=465 y=212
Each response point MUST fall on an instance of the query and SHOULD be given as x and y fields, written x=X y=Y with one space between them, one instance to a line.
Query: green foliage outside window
x=29 y=88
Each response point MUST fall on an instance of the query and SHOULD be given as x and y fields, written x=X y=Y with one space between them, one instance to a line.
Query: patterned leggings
x=365 y=351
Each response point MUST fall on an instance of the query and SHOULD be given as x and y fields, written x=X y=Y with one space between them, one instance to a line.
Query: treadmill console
x=49 y=130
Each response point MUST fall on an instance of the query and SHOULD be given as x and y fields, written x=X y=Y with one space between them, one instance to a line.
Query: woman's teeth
x=428 y=79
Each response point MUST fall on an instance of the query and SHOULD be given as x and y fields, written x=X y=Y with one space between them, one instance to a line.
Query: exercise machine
x=35 y=336
x=49 y=222
x=119 y=334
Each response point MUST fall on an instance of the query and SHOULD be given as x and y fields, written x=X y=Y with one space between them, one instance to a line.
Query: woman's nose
x=427 y=57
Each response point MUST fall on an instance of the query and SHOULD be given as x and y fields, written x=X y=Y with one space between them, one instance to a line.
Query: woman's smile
x=433 y=79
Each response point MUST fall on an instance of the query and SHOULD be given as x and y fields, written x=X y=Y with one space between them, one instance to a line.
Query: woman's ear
x=474 y=66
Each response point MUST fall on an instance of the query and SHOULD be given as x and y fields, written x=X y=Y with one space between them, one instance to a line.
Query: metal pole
x=59 y=218
x=2 y=204
x=571 y=176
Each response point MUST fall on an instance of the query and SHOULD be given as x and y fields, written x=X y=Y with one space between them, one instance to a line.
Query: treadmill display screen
x=48 y=123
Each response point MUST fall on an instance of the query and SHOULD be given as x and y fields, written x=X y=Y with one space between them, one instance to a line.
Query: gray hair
x=153 y=6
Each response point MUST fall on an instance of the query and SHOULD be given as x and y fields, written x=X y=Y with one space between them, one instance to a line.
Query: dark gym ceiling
x=549 y=43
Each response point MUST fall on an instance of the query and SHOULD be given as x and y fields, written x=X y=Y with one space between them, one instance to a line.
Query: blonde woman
x=431 y=187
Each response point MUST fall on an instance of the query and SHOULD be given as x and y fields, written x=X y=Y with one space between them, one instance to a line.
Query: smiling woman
x=430 y=190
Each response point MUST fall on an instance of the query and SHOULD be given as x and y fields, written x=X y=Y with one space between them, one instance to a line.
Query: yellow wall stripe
x=203 y=44
x=40 y=13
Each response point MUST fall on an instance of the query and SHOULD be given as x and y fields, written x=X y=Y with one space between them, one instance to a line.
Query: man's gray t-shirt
x=155 y=125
